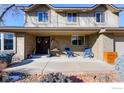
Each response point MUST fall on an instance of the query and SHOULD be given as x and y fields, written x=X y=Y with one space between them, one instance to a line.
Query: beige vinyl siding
x=59 y=19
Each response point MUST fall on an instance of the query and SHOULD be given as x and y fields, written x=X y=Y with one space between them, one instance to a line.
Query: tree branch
x=4 y=12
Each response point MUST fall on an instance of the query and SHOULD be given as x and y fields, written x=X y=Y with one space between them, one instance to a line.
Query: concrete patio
x=46 y=64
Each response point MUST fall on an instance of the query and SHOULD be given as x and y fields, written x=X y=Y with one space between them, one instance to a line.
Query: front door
x=42 y=45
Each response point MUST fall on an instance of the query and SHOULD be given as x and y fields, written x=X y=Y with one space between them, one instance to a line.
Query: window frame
x=38 y=17
x=101 y=14
x=72 y=13
x=2 y=42
x=77 y=36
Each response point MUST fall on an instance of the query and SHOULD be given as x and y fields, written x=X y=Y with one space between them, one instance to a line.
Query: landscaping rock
x=78 y=77
x=102 y=78
x=55 y=77
x=32 y=78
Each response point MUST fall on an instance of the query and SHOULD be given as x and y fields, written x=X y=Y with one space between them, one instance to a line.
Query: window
x=72 y=17
x=42 y=17
x=6 y=41
x=100 y=17
x=78 y=40
x=0 y=41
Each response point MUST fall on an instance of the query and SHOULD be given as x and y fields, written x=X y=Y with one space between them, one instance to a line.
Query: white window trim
x=2 y=43
x=100 y=18
x=71 y=22
x=78 y=36
x=41 y=21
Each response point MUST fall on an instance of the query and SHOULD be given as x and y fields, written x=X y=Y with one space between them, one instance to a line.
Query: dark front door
x=42 y=45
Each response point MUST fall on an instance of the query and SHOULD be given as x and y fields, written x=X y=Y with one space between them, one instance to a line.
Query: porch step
x=40 y=56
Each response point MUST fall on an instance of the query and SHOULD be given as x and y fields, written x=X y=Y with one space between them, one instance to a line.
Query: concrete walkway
x=60 y=64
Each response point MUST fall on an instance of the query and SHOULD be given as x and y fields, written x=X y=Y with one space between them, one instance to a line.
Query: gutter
x=71 y=28
x=112 y=30
x=27 y=8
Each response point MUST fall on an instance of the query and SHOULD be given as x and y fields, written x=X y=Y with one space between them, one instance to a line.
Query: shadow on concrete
x=39 y=56
x=24 y=70
x=24 y=62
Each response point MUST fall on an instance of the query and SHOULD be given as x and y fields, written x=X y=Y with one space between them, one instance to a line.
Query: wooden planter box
x=110 y=57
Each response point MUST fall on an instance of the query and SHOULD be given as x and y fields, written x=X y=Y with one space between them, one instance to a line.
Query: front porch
x=26 y=43
x=45 y=64
x=43 y=43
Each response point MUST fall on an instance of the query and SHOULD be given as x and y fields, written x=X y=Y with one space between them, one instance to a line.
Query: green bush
x=6 y=57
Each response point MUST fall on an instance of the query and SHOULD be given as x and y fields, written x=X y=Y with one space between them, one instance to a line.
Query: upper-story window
x=71 y=17
x=100 y=17
x=42 y=16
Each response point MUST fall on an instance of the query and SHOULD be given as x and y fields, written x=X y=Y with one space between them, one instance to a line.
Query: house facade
x=47 y=27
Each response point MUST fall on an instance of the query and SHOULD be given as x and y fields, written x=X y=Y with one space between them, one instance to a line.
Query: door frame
x=42 y=37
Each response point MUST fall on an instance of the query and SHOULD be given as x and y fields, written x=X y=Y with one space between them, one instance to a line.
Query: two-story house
x=48 y=27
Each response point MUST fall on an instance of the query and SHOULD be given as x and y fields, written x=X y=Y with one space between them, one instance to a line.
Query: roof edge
x=26 y=8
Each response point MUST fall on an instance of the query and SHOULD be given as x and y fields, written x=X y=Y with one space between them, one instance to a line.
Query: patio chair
x=69 y=52
x=88 y=53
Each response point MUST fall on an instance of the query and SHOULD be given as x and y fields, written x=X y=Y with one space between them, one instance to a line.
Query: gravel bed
x=32 y=78
x=85 y=77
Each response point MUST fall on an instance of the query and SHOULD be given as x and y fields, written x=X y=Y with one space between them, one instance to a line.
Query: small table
x=55 y=52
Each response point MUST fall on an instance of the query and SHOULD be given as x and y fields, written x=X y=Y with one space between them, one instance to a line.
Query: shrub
x=119 y=66
x=13 y=76
x=6 y=58
x=56 y=77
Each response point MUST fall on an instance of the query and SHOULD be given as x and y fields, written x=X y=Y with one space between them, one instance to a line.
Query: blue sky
x=19 y=19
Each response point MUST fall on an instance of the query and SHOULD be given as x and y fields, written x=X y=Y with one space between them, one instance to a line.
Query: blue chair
x=88 y=53
x=69 y=52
